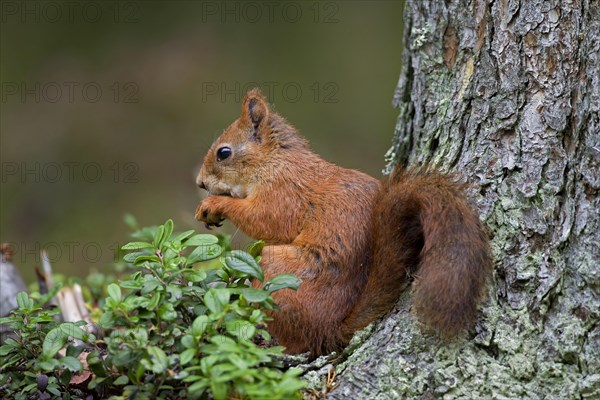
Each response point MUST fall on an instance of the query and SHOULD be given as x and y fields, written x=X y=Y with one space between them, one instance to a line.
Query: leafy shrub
x=26 y=358
x=173 y=330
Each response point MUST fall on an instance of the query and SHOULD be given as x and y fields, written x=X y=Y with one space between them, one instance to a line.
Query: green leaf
x=200 y=325
x=167 y=312
x=192 y=378
x=158 y=236
x=211 y=301
x=194 y=275
x=188 y=341
x=218 y=389
x=130 y=221
x=283 y=281
x=291 y=382
x=122 y=380
x=150 y=284
x=72 y=364
x=244 y=264
x=255 y=295
x=53 y=342
x=70 y=329
x=131 y=284
x=168 y=231
x=223 y=341
x=175 y=292
x=137 y=245
x=53 y=389
x=181 y=375
x=158 y=359
x=48 y=365
x=202 y=239
x=215 y=299
x=107 y=320
x=74 y=351
x=171 y=257
x=114 y=292
x=130 y=258
x=217 y=276
x=238 y=362
x=146 y=257
x=153 y=301
x=256 y=248
x=182 y=236
x=240 y=328
x=187 y=356
x=23 y=301
x=12 y=342
x=6 y=350
x=204 y=253
x=199 y=387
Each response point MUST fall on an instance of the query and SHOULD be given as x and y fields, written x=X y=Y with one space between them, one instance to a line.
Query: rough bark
x=506 y=92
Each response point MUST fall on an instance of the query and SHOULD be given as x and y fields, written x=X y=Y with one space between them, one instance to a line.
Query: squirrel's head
x=243 y=153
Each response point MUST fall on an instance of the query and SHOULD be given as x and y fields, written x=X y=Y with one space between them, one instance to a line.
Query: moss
x=590 y=387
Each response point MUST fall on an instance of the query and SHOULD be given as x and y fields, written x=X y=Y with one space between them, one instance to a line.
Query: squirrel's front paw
x=209 y=212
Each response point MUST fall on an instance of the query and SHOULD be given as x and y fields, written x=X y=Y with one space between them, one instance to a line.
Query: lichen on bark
x=507 y=93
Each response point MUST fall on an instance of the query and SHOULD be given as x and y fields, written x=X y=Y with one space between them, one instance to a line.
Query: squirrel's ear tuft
x=255 y=111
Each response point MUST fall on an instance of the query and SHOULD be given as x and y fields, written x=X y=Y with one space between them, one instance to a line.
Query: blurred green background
x=108 y=107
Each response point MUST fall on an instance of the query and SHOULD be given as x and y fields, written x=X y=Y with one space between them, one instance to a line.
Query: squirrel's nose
x=201 y=185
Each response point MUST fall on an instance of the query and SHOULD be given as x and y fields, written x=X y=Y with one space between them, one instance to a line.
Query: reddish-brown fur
x=351 y=239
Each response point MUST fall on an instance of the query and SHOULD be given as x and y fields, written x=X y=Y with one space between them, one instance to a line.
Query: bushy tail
x=424 y=227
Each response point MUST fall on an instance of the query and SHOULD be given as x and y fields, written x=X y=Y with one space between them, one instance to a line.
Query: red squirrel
x=355 y=242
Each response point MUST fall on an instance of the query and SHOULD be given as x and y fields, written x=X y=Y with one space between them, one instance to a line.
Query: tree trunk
x=507 y=93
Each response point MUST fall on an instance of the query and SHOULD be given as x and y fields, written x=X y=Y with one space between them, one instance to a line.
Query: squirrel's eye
x=223 y=153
